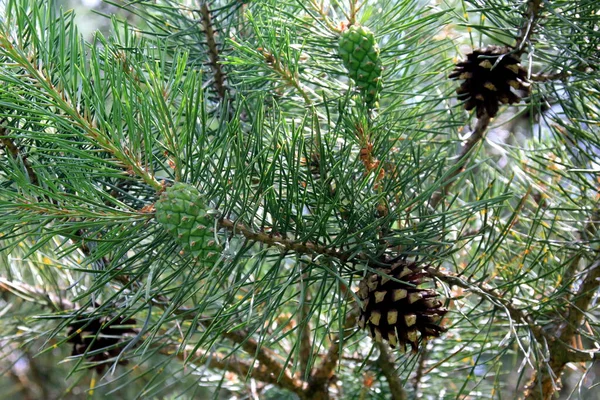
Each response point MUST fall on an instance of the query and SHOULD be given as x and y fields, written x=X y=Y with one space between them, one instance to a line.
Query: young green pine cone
x=398 y=311
x=182 y=211
x=360 y=54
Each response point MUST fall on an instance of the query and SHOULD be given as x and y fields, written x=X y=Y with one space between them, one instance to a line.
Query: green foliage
x=249 y=104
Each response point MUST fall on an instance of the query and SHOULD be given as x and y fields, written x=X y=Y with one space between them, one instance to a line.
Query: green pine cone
x=182 y=211
x=360 y=54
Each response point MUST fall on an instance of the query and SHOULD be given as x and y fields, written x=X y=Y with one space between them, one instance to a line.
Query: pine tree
x=214 y=199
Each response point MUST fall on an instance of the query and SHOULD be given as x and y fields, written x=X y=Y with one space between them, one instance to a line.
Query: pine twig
x=584 y=356
x=213 y=51
x=533 y=11
x=560 y=352
x=544 y=383
x=12 y=149
x=420 y=371
x=496 y=298
x=266 y=357
x=281 y=243
x=35 y=295
x=389 y=371
x=291 y=79
x=238 y=367
x=489 y=293
x=575 y=314
x=476 y=137
x=321 y=375
x=320 y=9
x=532 y=17
x=559 y=76
x=304 y=338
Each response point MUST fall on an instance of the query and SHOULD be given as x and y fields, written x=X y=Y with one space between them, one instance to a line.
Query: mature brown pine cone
x=491 y=76
x=397 y=310
x=100 y=337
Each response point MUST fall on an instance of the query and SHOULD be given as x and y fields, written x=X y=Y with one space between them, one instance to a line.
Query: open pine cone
x=397 y=310
x=99 y=337
x=491 y=76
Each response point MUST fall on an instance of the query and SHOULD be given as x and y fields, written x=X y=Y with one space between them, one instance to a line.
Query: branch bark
x=420 y=371
x=532 y=17
x=12 y=149
x=477 y=135
x=239 y=367
x=304 y=333
x=546 y=381
x=213 y=51
x=267 y=360
x=317 y=384
x=284 y=244
x=388 y=368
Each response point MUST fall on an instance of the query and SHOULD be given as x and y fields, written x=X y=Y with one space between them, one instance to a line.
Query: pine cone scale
x=490 y=75
x=360 y=54
x=396 y=310
x=182 y=212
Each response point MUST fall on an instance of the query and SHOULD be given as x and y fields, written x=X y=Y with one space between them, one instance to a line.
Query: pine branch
x=532 y=16
x=585 y=235
x=241 y=368
x=269 y=370
x=544 y=383
x=559 y=76
x=304 y=334
x=285 y=245
x=71 y=115
x=22 y=381
x=213 y=51
x=252 y=165
x=245 y=369
x=476 y=136
x=13 y=150
x=388 y=368
x=560 y=351
x=499 y=300
x=549 y=381
x=266 y=357
x=496 y=298
x=420 y=370
x=35 y=295
x=581 y=302
x=321 y=375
